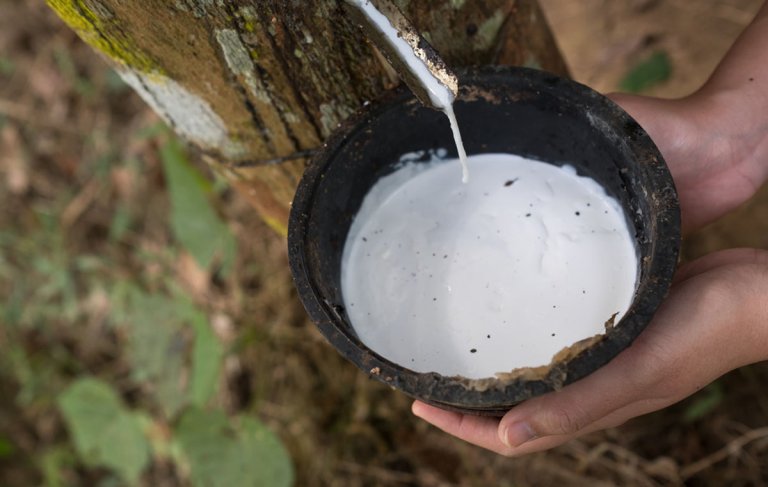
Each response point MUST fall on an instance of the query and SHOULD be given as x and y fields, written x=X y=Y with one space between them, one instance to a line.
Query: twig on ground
x=568 y=475
x=732 y=448
x=379 y=473
x=80 y=203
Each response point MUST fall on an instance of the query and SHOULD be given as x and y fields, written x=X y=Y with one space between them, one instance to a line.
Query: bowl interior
x=510 y=110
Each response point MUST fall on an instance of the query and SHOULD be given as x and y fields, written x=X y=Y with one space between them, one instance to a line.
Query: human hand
x=715 y=141
x=716 y=145
x=712 y=322
x=717 y=153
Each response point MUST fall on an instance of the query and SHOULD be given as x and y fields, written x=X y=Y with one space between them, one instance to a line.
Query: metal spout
x=388 y=39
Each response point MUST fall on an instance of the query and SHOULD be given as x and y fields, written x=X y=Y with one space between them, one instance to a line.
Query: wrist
x=738 y=89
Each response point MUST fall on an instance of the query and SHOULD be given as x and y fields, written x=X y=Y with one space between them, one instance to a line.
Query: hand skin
x=715 y=141
x=716 y=316
x=714 y=321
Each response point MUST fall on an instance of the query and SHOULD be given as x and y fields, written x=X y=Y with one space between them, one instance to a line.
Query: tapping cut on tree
x=256 y=86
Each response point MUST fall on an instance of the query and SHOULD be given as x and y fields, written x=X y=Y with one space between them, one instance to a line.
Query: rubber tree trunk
x=257 y=85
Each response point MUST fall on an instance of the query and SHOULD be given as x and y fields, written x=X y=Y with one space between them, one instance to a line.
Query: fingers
x=577 y=408
x=689 y=343
x=720 y=259
x=548 y=420
x=657 y=116
x=613 y=420
x=597 y=402
x=682 y=349
x=484 y=432
x=668 y=125
x=671 y=131
x=478 y=430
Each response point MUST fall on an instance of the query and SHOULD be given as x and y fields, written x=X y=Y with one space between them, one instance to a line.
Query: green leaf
x=115 y=84
x=157 y=348
x=13 y=311
x=152 y=131
x=7 y=66
x=120 y=295
x=104 y=432
x=54 y=465
x=207 y=356
x=121 y=223
x=66 y=64
x=265 y=458
x=165 y=334
x=704 y=403
x=647 y=73
x=220 y=454
x=6 y=448
x=209 y=451
x=195 y=224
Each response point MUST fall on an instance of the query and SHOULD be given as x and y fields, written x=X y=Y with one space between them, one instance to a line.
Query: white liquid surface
x=440 y=95
x=486 y=277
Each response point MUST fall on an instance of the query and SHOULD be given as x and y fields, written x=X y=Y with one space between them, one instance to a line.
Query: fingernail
x=417 y=408
x=516 y=434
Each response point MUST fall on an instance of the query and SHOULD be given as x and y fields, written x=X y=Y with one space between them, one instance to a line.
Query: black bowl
x=500 y=110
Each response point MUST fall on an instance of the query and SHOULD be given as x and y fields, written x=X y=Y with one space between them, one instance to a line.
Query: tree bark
x=258 y=85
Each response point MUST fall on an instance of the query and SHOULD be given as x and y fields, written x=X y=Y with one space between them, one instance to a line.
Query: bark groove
x=250 y=82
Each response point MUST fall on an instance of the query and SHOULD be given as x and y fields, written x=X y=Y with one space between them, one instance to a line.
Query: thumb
x=573 y=410
x=680 y=351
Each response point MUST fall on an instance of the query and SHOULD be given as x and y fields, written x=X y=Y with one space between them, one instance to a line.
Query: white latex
x=439 y=94
x=486 y=277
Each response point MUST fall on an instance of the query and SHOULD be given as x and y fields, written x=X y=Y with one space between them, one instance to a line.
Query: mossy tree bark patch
x=252 y=83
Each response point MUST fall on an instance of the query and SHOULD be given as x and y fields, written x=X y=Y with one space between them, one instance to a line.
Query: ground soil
x=65 y=118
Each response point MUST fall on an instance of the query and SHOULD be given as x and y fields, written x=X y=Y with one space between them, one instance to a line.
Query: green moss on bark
x=95 y=24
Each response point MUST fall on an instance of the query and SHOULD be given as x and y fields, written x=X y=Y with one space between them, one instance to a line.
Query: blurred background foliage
x=150 y=334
